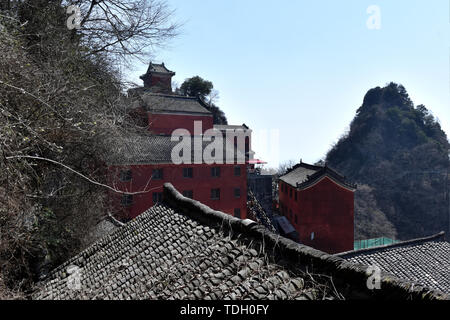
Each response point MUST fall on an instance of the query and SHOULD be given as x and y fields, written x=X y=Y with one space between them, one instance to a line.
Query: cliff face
x=402 y=153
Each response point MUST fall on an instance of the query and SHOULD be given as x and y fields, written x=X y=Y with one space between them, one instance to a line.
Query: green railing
x=364 y=244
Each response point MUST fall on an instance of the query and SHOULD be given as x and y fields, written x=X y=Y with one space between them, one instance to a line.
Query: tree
x=203 y=89
x=370 y=221
x=284 y=167
x=116 y=28
x=197 y=87
x=60 y=98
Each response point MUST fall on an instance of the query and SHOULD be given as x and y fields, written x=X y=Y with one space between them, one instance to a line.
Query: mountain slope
x=402 y=153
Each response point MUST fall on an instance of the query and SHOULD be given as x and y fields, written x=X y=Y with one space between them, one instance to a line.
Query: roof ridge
x=319 y=172
x=296 y=253
x=298 y=165
x=326 y=171
x=178 y=96
x=434 y=237
x=118 y=251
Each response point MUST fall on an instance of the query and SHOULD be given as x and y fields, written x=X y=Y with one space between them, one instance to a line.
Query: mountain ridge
x=400 y=152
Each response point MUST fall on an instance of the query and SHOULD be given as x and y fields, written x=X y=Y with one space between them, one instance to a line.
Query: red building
x=160 y=111
x=144 y=163
x=158 y=78
x=319 y=203
x=141 y=163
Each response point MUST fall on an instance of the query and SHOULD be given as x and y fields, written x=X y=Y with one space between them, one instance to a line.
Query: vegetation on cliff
x=401 y=152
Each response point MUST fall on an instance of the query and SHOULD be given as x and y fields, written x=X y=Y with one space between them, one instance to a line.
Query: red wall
x=163 y=82
x=167 y=123
x=326 y=209
x=201 y=184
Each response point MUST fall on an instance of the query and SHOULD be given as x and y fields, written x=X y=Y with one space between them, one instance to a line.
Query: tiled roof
x=164 y=254
x=299 y=174
x=230 y=127
x=425 y=261
x=303 y=175
x=184 y=250
x=158 y=68
x=166 y=103
x=153 y=149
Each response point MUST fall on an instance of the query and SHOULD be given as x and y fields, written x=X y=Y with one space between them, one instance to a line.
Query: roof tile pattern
x=426 y=261
x=158 y=68
x=183 y=249
x=157 y=149
x=298 y=175
x=165 y=103
x=304 y=175
x=165 y=255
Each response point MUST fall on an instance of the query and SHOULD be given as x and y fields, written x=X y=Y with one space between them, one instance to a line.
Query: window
x=188 y=172
x=290 y=193
x=295 y=195
x=237 y=192
x=126 y=175
x=157 y=197
x=237 y=213
x=215 y=194
x=237 y=171
x=290 y=214
x=188 y=194
x=296 y=219
x=312 y=235
x=127 y=200
x=215 y=172
x=157 y=174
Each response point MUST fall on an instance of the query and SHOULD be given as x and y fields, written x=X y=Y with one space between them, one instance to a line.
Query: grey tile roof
x=298 y=175
x=158 y=68
x=230 y=127
x=303 y=175
x=136 y=148
x=166 y=103
x=425 y=261
x=164 y=254
x=182 y=249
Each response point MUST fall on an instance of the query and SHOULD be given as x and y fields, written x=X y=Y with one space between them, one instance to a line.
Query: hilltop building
x=144 y=161
x=158 y=78
x=319 y=203
x=320 y=208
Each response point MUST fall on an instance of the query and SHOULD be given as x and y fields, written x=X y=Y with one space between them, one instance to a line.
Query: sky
x=296 y=71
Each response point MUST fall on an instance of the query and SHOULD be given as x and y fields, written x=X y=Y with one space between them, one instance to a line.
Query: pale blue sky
x=303 y=67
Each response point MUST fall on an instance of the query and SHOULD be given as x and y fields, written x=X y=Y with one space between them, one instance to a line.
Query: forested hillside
x=401 y=154
x=61 y=94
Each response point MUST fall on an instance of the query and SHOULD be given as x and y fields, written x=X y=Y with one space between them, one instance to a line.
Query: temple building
x=140 y=163
x=319 y=203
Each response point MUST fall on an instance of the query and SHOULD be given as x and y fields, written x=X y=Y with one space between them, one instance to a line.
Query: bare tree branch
x=81 y=175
